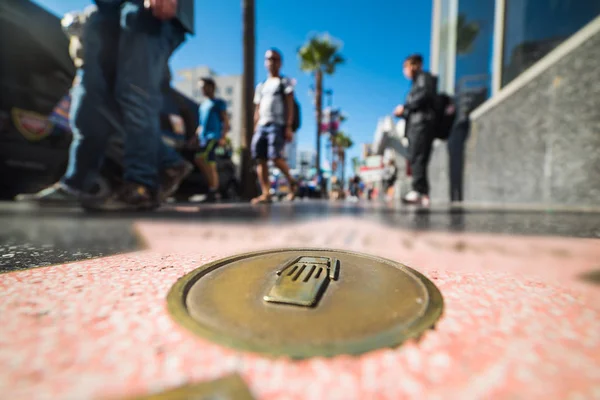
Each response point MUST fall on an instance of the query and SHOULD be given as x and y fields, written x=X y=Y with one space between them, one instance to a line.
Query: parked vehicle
x=36 y=71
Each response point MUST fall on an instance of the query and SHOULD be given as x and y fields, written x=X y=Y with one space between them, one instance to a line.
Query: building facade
x=489 y=43
x=525 y=76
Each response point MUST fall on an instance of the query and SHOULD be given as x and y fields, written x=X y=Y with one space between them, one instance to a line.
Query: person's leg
x=202 y=165
x=420 y=154
x=262 y=170
x=173 y=170
x=145 y=46
x=91 y=112
x=211 y=164
x=168 y=156
x=461 y=160
x=207 y=163
x=260 y=154
x=276 y=143
x=452 y=163
x=283 y=166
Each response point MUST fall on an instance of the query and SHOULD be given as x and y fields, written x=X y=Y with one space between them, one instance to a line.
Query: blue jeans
x=126 y=51
x=168 y=156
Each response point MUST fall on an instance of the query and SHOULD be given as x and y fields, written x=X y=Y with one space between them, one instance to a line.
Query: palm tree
x=341 y=118
x=320 y=55
x=342 y=143
x=248 y=37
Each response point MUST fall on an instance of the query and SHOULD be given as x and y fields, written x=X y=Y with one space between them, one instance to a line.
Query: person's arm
x=256 y=116
x=257 y=99
x=289 y=104
x=288 y=90
x=194 y=139
x=421 y=95
x=224 y=120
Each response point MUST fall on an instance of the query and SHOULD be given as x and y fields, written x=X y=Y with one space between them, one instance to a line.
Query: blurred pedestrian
x=125 y=46
x=273 y=120
x=212 y=132
x=418 y=110
x=390 y=174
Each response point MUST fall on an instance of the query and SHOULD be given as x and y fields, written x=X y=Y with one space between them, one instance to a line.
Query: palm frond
x=320 y=53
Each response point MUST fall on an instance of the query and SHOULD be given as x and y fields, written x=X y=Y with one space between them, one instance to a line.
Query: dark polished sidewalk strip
x=32 y=236
x=27 y=242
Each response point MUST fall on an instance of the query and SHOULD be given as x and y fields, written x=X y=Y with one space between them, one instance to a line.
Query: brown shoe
x=130 y=197
x=171 y=179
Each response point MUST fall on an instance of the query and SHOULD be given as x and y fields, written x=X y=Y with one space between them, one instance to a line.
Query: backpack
x=280 y=91
x=445 y=114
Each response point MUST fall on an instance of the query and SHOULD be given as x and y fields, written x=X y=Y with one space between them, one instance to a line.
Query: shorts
x=268 y=142
x=208 y=152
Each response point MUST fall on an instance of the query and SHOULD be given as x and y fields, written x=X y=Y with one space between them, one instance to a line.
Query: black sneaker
x=55 y=195
x=131 y=197
x=171 y=179
x=211 y=197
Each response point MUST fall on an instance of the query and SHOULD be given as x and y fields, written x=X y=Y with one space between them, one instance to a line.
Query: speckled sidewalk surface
x=521 y=318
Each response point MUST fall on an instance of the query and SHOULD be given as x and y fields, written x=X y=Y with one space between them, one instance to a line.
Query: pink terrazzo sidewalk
x=518 y=321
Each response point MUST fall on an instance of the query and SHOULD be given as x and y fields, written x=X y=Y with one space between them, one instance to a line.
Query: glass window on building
x=474 y=50
x=228 y=90
x=533 y=28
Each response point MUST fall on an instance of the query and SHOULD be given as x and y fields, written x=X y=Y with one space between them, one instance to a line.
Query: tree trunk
x=319 y=106
x=331 y=140
x=249 y=186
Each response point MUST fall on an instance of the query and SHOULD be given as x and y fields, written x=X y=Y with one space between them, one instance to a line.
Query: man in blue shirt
x=214 y=125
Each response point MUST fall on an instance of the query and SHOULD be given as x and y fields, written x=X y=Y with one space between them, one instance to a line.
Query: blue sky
x=376 y=37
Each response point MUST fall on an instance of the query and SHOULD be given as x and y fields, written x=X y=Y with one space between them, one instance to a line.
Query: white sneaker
x=417 y=198
x=412 y=198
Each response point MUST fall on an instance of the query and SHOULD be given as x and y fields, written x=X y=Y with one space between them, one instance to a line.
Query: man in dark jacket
x=418 y=110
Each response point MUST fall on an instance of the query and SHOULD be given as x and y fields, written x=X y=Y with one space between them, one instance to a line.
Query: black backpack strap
x=281 y=91
x=282 y=86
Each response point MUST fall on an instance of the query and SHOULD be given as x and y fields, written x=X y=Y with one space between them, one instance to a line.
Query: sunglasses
x=272 y=58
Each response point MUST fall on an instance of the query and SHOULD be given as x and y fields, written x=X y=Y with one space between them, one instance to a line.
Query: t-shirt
x=272 y=107
x=210 y=118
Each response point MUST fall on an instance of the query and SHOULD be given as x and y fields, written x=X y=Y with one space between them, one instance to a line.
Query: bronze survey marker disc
x=306 y=302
